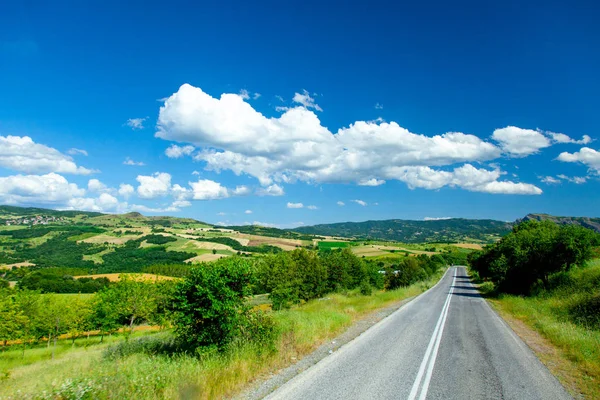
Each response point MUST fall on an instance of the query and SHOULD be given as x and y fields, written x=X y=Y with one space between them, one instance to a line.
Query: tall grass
x=560 y=314
x=85 y=373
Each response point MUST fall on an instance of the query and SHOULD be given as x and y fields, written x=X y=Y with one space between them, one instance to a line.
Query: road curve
x=445 y=344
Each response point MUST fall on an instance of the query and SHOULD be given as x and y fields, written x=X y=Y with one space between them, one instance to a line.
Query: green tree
x=209 y=305
x=12 y=319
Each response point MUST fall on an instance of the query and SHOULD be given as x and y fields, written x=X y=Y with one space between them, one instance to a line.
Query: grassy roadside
x=83 y=372
x=552 y=325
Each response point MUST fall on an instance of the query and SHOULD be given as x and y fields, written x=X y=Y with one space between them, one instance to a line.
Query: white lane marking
x=434 y=345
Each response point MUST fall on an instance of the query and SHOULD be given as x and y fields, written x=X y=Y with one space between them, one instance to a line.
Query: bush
x=209 y=305
x=533 y=252
x=365 y=288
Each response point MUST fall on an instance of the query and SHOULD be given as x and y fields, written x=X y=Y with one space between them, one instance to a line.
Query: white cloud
x=248 y=212
x=136 y=123
x=295 y=205
x=51 y=189
x=466 y=177
x=221 y=214
x=305 y=99
x=95 y=186
x=272 y=190
x=256 y=96
x=360 y=202
x=371 y=182
x=550 y=180
x=129 y=161
x=156 y=185
x=378 y=106
x=126 y=190
x=281 y=108
x=586 y=156
x=103 y=203
x=23 y=154
x=195 y=173
x=436 y=218
x=241 y=190
x=280 y=98
x=244 y=94
x=312 y=207
x=341 y=203
x=575 y=179
x=519 y=142
x=180 y=204
x=175 y=151
x=295 y=146
x=73 y=151
x=205 y=189
x=562 y=138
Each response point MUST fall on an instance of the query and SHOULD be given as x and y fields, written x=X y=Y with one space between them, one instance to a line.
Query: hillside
x=586 y=222
x=447 y=230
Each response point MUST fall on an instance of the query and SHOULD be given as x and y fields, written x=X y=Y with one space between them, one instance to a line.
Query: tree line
x=208 y=307
x=532 y=253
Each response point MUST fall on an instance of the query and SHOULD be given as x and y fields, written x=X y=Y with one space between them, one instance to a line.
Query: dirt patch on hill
x=138 y=277
x=205 y=258
x=472 y=246
x=17 y=265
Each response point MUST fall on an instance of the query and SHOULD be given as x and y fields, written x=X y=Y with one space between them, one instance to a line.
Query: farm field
x=135 y=276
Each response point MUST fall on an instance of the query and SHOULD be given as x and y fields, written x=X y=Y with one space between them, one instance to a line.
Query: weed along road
x=445 y=344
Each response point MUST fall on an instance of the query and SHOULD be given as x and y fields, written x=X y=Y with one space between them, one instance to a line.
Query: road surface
x=445 y=344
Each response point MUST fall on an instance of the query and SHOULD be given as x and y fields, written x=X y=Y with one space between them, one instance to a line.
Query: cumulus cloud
x=129 y=161
x=371 y=182
x=126 y=190
x=195 y=173
x=305 y=99
x=103 y=203
x=52 y=189
x=136 y=123
x=21 y=153
x=312 y=207
x=378 y=106
x=436 y=218
x=466 y=177
x=175 y=151
x=360 y=202
x=73 y=151
x=272 y=190
x=205 y=189
x=95 y=186
x=562 y=138
x=341 y=203
x=295 y=205
x=256 y=96
x=587 y=156
x=248 y=212
x=153 y=186
x=241 y=190
x=519 y=142
x=295 y=146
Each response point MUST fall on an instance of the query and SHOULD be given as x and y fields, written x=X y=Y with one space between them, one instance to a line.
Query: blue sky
x=411 y=111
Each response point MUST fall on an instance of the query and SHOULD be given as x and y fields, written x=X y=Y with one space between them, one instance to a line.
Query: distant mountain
x=586 y=222
x=444 y=230
x=14 y=211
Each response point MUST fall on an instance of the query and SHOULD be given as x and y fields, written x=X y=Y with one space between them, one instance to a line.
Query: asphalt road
x=445 y=344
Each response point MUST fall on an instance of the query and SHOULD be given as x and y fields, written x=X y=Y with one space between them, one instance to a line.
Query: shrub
x=209 y=305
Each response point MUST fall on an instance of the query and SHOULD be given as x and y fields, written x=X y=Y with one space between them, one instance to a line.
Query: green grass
x=333 y=245
x=83 y=371
x=97 y=257
x=554 y=314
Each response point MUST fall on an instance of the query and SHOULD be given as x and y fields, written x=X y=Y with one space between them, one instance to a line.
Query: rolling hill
x=407 y=231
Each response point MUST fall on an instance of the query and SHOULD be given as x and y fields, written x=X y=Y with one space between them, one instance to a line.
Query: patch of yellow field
x=18 y=265
x=104 y=238
x=136 y=276
x=205 y=258
x=472 y=246
x=256 y=240
x=211 y=246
